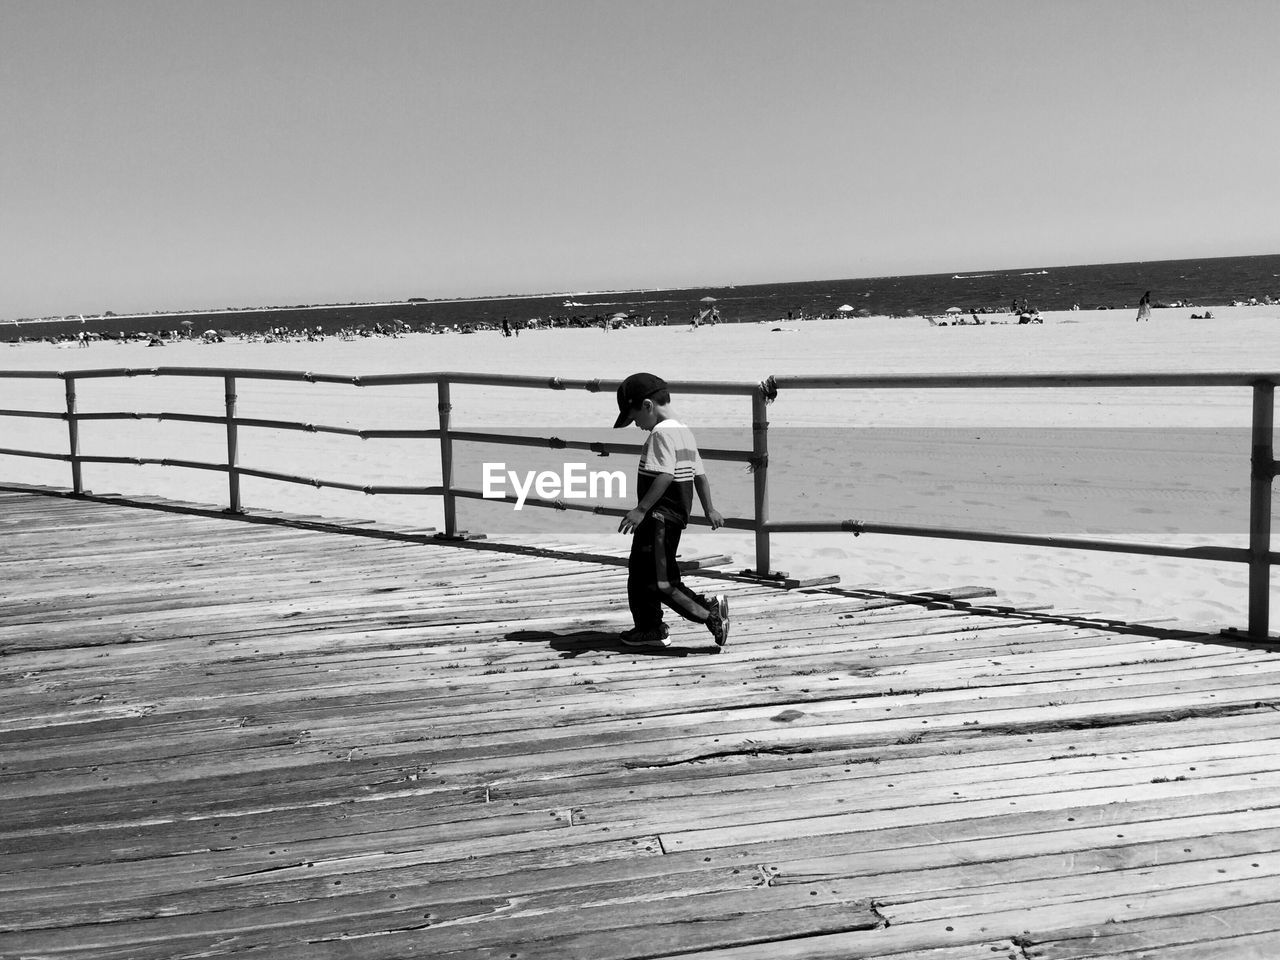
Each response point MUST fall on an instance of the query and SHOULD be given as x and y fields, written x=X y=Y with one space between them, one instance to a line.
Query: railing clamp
x=599 y=449
x=309 y=377
x=758 y=462
x=852 y=526
x=555 y=383
x=769 y=389
x=560 y=505
x=593 y=386
x=555 y=443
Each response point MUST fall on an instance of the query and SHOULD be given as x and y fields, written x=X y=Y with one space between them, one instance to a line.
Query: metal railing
x=1258 y=555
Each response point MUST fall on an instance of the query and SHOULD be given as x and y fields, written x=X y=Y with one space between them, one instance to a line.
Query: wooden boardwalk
x=221 y=738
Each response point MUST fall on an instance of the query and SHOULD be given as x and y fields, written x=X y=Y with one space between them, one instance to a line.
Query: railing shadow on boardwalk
x=959 y=599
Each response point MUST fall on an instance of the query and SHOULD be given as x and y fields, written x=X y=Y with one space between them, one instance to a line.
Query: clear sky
x=200 y=153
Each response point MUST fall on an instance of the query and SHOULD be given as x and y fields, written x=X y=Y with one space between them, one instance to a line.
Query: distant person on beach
x=1144 y=308
x=670 y=470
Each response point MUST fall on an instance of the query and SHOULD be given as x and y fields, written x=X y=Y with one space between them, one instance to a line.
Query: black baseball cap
x=634 y=390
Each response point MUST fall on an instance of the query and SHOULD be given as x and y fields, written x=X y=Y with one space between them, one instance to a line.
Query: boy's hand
x=714 y=518
x=632 y=520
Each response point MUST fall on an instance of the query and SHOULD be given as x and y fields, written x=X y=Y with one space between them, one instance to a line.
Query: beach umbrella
x=954 y=310
x=187 y=323
x=707 y=300
x=845 y=308
x=620 y=314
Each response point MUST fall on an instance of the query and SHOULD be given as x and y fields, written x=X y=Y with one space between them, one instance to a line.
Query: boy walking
x=670 y=471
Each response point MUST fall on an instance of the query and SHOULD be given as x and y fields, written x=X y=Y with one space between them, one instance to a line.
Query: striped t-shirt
x=670 y=449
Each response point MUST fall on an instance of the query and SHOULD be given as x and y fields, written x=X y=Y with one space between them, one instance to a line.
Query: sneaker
x=635 y=631
x=718 y=622
x=636 y=637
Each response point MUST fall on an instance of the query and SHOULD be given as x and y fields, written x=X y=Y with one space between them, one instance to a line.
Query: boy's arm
x=641 y=510
x=703 y=486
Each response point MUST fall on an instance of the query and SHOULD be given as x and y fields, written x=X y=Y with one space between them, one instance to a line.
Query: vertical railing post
x=233 y=449
x=73 y=434
x=446 y=460
x=1262 y=471
x=760 y=476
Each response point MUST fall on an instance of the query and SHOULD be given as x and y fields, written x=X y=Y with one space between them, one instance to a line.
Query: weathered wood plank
x=1158 y=935
x=1023 y=923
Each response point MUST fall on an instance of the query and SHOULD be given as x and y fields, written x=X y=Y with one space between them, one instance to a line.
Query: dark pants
x=653 y=578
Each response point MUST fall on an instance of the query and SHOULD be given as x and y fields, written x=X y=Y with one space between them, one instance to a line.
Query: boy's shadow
x=574 y=643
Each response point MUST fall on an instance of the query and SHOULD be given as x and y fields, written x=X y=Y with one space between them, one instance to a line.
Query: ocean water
x=1206 y=282
x=1212 y=282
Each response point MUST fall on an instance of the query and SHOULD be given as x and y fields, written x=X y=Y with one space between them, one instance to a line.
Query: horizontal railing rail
x=857 y=527
x=46 y=414
x=34 y=454
x=727 y=387
x=1258 y=555
x=985 y=380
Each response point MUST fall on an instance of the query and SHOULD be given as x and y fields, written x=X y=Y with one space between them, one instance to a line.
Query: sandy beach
x=1183 y=499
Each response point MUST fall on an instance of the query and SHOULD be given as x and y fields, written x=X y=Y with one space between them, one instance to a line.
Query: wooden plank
x=805 y=824
x=1139 y=881
x=1021 y=923
x=1133 y=938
